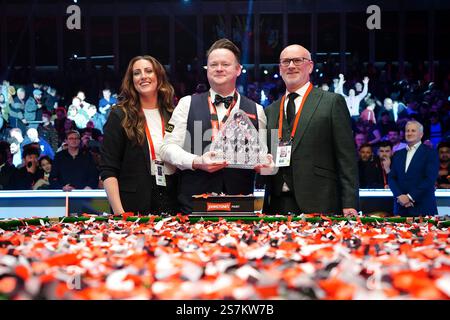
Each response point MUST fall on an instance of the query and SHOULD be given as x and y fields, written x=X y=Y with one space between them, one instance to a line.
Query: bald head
x=298 y=49
x=295 y=66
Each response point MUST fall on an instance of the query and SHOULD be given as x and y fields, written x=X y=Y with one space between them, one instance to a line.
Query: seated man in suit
x=413 y=174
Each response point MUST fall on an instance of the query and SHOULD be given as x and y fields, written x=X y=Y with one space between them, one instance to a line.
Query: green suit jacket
x=323 y=161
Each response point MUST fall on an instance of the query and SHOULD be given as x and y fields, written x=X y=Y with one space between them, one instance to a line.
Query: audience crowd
x=50 y=142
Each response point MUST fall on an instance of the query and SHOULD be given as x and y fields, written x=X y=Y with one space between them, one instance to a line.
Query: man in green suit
x=313 y=127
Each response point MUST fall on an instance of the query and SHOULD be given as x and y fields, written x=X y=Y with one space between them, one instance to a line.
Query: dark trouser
x=284 y=204
x=164 y=199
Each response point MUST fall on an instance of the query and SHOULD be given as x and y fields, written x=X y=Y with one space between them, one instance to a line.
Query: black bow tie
x=225 y=100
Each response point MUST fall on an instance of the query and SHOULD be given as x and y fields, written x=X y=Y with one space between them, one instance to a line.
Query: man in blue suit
x=414 y=171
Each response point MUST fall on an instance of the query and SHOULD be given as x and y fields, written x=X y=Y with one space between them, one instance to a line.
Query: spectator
x=394 y=138
x=413 y=175
x=47 y=131
x=69 y=125
x=358 y=88
x=352 y=99
x=371 y=132
x=7 y=170
x=412 y=108
x=73 y=169
x=368 y=114
x=26 y=176
x=78 y=115
x=33 y=108
x=16 y=152
x=370 y=169
x=3 y=114
x=325 y=87
x=360 y=139
x=83 y=103
x=60 y=124
x=16 y=113
x=17 y=134
x=106 y=102
x=45 y=163
x=385 y=154
x=4 y=108
x=443 y=181
x=385 y=125
x=396 y=110
x=51 y=101
x=44 y=146
x=98 y=119
x=335 y=85
x=94 y=132
x=424 y=112
x=435 y=129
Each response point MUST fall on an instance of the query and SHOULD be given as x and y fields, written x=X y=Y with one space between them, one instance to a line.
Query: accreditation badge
x=159 y=175
x=283 y=158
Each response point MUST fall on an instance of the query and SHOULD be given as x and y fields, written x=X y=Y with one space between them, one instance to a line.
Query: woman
x=129 y=163
x=45 y=163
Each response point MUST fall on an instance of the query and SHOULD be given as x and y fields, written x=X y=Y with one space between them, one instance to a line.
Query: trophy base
x=241 y=166
x=223 y=205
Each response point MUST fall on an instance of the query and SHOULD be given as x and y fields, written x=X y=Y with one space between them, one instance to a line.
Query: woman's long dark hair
x=129 y=102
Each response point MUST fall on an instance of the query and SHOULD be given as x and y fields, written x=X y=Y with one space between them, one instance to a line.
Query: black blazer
x=130 y=164
x=323 y=160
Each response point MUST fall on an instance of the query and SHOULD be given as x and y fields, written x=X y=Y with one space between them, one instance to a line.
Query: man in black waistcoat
x=322 y=175
x=188 y=134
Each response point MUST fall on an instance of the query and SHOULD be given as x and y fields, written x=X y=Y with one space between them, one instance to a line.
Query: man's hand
x=267 y=168
x=206 y=163
x=349 y=212
x=386 y=163
x=366 y=80
x=68 y=187
x=404 y=200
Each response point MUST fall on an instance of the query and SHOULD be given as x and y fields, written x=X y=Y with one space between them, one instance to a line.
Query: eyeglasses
x=297 y=61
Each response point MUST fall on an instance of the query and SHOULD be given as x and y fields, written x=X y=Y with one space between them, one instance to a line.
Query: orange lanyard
x=149 y=137
x=297 y=116
x=215 y=125
x=384 y=174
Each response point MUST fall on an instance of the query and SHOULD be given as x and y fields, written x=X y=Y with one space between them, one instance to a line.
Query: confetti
x=305 y=257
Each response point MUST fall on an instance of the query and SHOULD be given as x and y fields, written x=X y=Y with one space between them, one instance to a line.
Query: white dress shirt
x=399 y=146
x=154 y=124
x=173 y=149
x=410 y=154
x=298 y=101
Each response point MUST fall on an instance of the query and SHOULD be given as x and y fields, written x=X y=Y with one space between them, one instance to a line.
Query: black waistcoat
x=228 y=181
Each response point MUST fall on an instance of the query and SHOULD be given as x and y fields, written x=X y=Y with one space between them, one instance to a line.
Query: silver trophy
x=238 y=143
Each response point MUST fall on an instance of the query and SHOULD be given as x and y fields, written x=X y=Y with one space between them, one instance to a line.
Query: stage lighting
x=244 y=70
x=266 y=72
